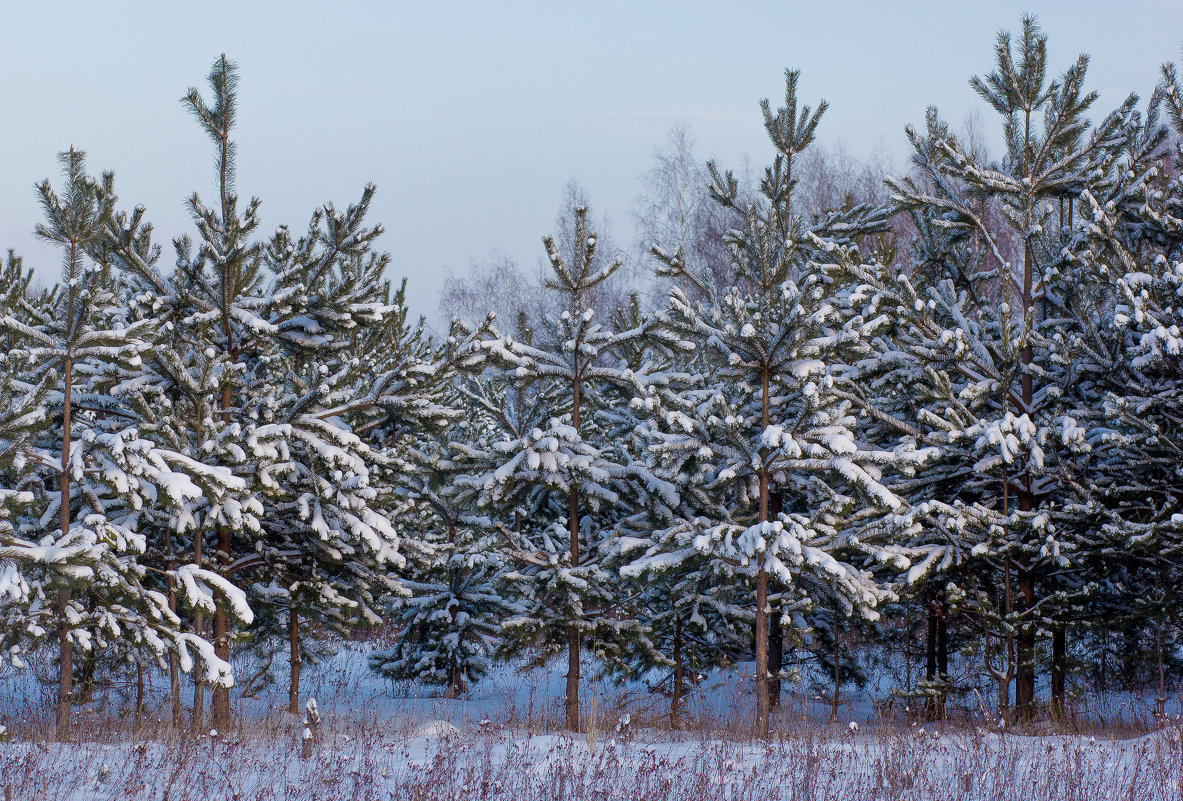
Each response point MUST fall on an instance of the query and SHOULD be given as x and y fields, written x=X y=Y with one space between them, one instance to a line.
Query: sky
x=471 y=117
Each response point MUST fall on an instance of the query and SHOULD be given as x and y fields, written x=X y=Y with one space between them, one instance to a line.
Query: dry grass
x=387 y=749
x=362 y=758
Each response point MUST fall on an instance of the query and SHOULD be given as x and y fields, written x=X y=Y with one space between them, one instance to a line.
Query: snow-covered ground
x=384 y=741
x=439 y=762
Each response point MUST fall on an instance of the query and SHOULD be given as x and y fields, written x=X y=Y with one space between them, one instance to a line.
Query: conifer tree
x=457 y=594
x=219 y=296
x=775 y=430
x=566 y=466
x=1125 y=278
x=79 y=338
x=1011 y=314
x=696 y=616
x=280 y=361
x=23 y=419
x=330 y=532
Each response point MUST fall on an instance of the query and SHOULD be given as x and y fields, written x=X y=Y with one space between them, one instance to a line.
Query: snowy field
x=439 y=763
x=384 y=741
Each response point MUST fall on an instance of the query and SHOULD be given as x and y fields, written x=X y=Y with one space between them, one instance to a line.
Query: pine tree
x=1126 y=280
x=330 y=534
x=695 y=614
x=219 y=300
x=774 y=427
x=565 y=469
x=285 y=362
x=23 y=420
x=457 y=596
x=1010 y=315
x=78 y=337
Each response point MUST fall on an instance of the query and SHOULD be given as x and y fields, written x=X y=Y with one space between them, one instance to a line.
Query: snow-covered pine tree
x=505 y=410
x=182 y=382
x=451 y=620
x=82 y=539
x=23 y=418
x=1016 y=381
x=221 y=313
x=696 y=618
x=929 y=368
x=911 y=384
x=775 y=434
x=1127 y=283
x=330 y=534
x=1108 y=479
x=564 y=471
x=284 y=362
x=408 y=413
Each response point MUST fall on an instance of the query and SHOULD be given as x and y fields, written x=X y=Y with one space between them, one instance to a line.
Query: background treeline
x=836 y=422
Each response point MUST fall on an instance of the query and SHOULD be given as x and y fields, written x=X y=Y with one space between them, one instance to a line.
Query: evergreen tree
x=566 y=470
x=87 y=532
x=283 y=361
x=330 y=531
x=23 y=420
x=1018 y=382
x=457 y=596
x=1126 y=280
x=696 y=615
x=777 y=433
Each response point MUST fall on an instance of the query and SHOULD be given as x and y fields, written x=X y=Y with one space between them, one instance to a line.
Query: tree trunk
x=574 y=645
x=65 y=647
x=220 y=709
x=1059 y=669
x=572 y=700
x=942 y=697
x=763 y=707
x=1025 y=645
x=139 y=696
x=198 y=713
x=776 y=651
x=198 y=721
x=762 y=684
x=837 y=670
x=198 y=663
x=906 y=648
x=220 y=702
x=455 y=679
x=1160 y=703
x=679 y=677
x=1025 y=649
x=930 y=659
x=174 y=668
x=294 y=660
x=65 y=667
x=776 y=634
x=936 y=671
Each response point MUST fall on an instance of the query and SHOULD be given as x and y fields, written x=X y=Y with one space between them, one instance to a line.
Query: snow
x=375 y=743
x=436 y=730
x=861 y=433
x=528 y=768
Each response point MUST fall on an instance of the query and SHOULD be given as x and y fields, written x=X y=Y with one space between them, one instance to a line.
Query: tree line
x=939 y=415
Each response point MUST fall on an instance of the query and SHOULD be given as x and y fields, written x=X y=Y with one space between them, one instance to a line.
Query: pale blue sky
x=471 y=116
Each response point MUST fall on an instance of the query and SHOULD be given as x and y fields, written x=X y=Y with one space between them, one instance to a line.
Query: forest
x=838 y=424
